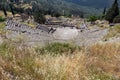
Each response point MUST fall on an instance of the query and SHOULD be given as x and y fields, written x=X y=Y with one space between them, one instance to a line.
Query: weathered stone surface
x=65 y=33
x=39 y=36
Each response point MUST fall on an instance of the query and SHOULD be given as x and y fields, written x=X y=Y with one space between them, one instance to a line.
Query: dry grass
x=113 y=32
x=98 y=62
x=104 y=59
x=2 y=26
x=9 y=14
x=31 y=25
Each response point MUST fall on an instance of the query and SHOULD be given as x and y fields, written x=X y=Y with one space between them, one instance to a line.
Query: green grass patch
x=57 y=49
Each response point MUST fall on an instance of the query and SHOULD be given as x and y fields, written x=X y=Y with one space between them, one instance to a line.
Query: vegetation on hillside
x=93 y=18
x=2 y=19
x=58 y=49
x=113 y=32
x=58 y=61
x=2 y=26
x=112 y=12
x=99 y=62
x=116 y=19
x=52 y=7
x=39 y=17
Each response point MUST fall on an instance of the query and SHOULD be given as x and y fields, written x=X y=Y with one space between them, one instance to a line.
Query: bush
x=2 y=19
x=93 y=18
x=40 y=18
x=57 y=49
x=56 y=14
x=116 y=19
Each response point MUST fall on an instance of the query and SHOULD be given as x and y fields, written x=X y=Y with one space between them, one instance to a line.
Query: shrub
x=93 y=18
x=56 y=14
x=40 y=18
x=57 y=48
x=116 y=19
x=2 y=19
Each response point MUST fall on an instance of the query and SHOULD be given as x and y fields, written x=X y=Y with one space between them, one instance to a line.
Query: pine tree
x=112 y=12
x=11 y=9
x=4 y=10
x=104 y=11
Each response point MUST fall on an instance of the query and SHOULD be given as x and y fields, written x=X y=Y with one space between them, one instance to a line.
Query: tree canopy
x=112 y=12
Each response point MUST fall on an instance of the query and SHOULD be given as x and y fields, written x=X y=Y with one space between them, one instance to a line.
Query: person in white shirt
x=83 y=26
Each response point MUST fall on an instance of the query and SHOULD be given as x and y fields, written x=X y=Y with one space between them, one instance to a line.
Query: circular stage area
x=65 y=33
